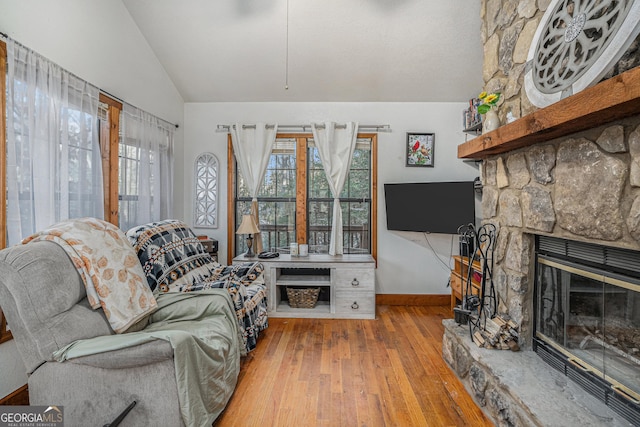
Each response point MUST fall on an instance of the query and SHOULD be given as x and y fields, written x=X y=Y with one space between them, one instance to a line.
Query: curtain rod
x=124 y=102
x=303 y=128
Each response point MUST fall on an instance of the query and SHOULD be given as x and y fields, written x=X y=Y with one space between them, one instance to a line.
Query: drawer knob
x=355 y=305
x=355 y=282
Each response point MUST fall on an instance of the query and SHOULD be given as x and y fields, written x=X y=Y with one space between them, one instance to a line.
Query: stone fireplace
x=583 y=187
x=570 y=171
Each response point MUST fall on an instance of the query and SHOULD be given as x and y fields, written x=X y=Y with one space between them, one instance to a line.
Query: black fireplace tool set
x=476 y=308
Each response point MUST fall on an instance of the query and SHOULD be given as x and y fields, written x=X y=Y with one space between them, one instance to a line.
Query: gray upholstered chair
x=44 y=300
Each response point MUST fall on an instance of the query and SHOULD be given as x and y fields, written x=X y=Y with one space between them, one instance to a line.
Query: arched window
x=206 y=187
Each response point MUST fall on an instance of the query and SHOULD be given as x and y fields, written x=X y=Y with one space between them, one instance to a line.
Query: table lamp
x=249 y=227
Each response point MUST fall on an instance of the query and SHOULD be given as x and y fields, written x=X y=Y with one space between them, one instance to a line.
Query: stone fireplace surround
x=582 y=186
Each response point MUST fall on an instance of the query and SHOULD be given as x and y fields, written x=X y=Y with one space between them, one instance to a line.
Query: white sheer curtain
x=335 y=147
x=54 y=169
x=146 y=168
x=252 y=147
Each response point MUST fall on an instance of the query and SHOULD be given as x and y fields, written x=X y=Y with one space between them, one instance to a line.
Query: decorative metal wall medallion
x=206 y=186
x=576 y=44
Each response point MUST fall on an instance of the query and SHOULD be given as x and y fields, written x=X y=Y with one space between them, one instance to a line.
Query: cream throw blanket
x=109 y=268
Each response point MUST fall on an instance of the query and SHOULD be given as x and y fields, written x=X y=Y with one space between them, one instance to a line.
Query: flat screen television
x=434 y=207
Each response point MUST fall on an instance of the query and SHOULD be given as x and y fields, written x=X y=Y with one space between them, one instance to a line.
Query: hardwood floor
x=328 y=372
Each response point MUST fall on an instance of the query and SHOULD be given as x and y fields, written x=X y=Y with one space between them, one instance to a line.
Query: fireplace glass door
x=593 y=317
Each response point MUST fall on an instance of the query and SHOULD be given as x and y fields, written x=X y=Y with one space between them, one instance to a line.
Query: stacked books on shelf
x=471 y=119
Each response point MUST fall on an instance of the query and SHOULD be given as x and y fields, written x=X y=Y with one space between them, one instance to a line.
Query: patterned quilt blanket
x=174 y=260
x=112 y=275
x=245 y=284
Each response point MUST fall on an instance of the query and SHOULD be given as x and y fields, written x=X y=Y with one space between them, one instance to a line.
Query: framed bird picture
x=420 y=149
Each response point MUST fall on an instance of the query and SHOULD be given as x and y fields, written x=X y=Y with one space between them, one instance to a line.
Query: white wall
x=99 y=42
x=406 y=263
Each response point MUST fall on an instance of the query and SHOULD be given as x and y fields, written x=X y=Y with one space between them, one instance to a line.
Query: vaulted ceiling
x=324 y=50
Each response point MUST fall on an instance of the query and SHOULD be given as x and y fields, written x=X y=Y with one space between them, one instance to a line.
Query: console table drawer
x=354 y=278
x=355 y=303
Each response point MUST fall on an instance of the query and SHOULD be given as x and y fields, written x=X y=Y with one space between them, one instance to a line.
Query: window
x=296 y=204
x=206 y=191
x=276 y=199
x=355 y=201
x=145 y=168
x=129 y=171
x=137 y=161
x=52 y=162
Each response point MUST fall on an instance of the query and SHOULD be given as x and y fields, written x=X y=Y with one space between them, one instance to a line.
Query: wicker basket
x=303 y=297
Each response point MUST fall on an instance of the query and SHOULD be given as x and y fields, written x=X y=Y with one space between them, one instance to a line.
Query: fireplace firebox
x=587 y=318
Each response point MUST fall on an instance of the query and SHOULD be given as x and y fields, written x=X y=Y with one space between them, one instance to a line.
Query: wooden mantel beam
x=612 y=99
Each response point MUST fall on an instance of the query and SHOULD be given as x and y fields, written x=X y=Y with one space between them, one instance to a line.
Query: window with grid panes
x=277 y=200
x=355 y=202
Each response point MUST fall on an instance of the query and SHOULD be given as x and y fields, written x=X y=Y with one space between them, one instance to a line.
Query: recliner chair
x=44 y=301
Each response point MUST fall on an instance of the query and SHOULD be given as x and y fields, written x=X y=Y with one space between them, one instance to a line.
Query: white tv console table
x=347 y=284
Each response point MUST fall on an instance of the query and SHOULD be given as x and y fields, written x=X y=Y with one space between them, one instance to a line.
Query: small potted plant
x=488 y=108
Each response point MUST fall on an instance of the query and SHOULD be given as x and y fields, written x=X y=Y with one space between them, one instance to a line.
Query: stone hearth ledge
x=519 y=388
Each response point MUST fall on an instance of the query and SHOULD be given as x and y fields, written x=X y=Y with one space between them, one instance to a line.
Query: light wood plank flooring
x=328 y=372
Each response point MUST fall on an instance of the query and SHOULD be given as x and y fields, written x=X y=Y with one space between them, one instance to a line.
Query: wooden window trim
x=110 y=162
x=301 y=190
x=5 y=335
x=231 y=194
x=3 y=145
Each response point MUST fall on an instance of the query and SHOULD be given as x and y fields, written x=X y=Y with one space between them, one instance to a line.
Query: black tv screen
x=434 y=207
